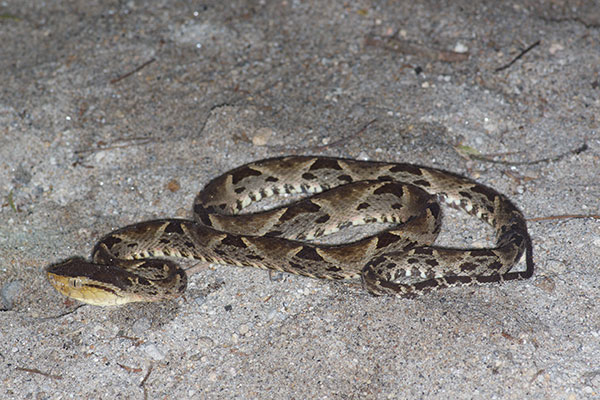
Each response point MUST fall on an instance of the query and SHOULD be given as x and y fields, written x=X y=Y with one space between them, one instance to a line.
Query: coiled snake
x=128 y=265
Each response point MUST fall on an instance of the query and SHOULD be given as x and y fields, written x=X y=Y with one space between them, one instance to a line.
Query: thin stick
x=129 y=369
x=578 y=150
x=395 y=44
x=128 y=74
x=521 y=54
x=140 y=141
x=564 y=216
x=143 y=382
x=37 y=371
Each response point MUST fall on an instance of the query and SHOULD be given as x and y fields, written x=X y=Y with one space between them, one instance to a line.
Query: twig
x=136 y=341
x=564 y=216
x=143 y=382
x=393 y=43
x=11 y=201
x=535 y=376
x=10 y=17
x=521 y=54
x=209 y=114
x=137 y=141
x=129 y=369
x=128 y=74
x=68 y=312
x=578 y=150
x=37 y=371
x=510 y=337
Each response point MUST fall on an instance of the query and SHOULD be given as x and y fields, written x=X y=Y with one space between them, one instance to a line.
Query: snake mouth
x=108 y=285
x=87 y=292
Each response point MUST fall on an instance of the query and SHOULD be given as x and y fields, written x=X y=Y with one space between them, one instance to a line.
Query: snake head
x=108 y=285
x=90 y=283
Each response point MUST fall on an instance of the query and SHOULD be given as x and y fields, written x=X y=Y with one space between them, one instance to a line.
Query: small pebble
x=243 y=329
x=141 y=326
x=261 y=136
x=199 y=300
x=546 y=284
x=9 y=293
x=173 y=185
x=555 y=48
x=460 y=48
x=204 y=342
x=153 y=352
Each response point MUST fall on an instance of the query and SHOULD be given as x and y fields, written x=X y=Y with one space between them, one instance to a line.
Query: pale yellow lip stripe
x=77 y=289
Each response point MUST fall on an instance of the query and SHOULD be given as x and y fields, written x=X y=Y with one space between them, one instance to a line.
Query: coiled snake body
x=128 y=265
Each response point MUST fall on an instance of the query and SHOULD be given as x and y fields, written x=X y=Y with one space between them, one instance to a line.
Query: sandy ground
x=120 y=111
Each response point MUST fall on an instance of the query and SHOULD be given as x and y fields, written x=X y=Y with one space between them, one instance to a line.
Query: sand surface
x=117 y=112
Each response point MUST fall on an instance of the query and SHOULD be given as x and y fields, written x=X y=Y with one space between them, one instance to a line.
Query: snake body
x=129 y=264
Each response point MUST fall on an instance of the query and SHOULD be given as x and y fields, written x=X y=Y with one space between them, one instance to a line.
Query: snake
x=137 y=263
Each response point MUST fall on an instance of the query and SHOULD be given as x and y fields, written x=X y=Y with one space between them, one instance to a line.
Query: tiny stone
x=141 y=326
x=460 y=48
x=555 y=47
x=153 y=352
x=99 y=156
x=272 y=314
x=363 y=156
x=173 y=185
x=199 y=300
x=520 y=189
x=546 y=284
x=276 y=276
x=243 y=329
x=9 y=293
x=261 y=136
x=205 y=342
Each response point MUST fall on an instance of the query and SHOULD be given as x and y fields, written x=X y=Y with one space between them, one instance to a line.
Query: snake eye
x=75 y=282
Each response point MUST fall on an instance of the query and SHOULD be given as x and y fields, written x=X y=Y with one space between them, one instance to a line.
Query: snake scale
x=135 y=263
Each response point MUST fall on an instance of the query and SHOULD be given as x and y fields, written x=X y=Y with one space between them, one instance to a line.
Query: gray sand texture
x=117 y=112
